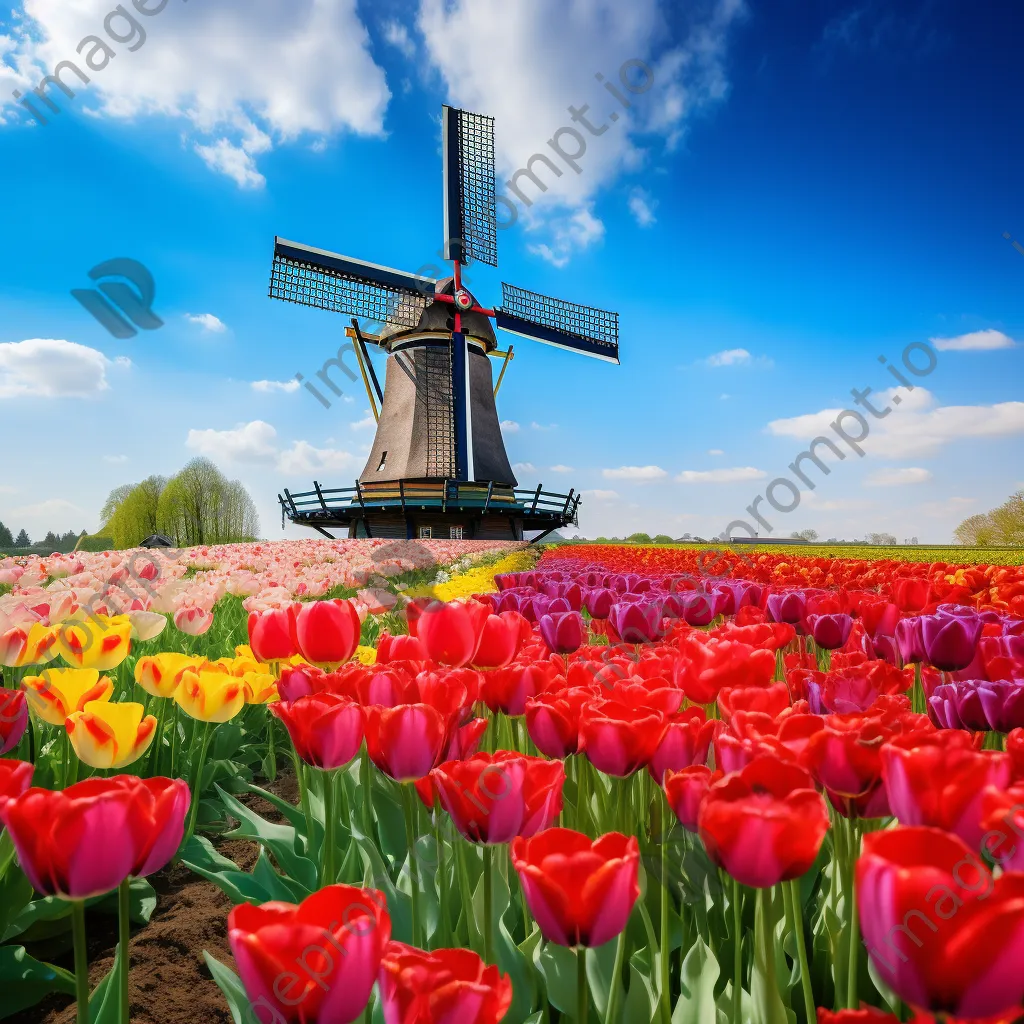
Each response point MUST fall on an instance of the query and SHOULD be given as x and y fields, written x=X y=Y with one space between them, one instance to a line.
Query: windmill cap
x=436 y=318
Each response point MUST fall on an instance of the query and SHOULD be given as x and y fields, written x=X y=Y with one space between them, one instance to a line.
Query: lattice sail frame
x=597 y=325
x=308 y=284
x=470 y=191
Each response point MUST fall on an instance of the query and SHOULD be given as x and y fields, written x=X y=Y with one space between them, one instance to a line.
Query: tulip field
x=455 y=782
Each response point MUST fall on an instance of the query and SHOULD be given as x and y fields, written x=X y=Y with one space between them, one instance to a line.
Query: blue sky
x=806 y=185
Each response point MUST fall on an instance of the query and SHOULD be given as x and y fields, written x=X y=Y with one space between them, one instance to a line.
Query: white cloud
x=552 y=51
x=53 y=368
x=715 y=451
x=638 y=474
x=57 y=514
x=275 y=385
x=642 y=205
x=115 y=460
x=543 y=426
x=720 y=476
x=524 y=467
x=730 y=357
x=509 y=426
x=367 y=423
x=207 y=321
x=600 y=495
x=562 y=469
x=975 y=341
x=398 y=36
x=898 y=477
x=257 y=442
x=570 y=235
x=248 y=442
x=917 y=427
x=243 y=75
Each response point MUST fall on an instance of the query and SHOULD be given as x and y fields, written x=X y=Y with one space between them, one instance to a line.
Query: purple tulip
x=698 y=608
x=949 y=642
x=637 y=623
x=617 y=583
x=598 y=601
x=790 y=606
x=830 y=631
x=563 y=632
x=736 y=594
x=908 y=639
x=979 y=705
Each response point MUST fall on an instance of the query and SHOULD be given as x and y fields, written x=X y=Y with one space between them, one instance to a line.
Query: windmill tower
x=438 y=466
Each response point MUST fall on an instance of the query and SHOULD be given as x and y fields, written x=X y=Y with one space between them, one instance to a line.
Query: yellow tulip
x=241 y=666
x=110 y=735
x=101 y=643
x=366 y=655
x=159 y=674
x=40 y=645
x=57 y=693
x=260 y=687
x=210 y=696
x=244 y=651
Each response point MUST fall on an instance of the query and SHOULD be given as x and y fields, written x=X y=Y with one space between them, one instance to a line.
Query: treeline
x=62 y=542
x=1001 y=526
x=199 y=505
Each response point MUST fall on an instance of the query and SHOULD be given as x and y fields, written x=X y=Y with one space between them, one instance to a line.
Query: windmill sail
x=470 y=221
x=584 y=329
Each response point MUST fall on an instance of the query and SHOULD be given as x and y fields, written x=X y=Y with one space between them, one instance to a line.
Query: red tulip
x=300 y=681
x=508 y=689
x=857 y=688
x=553 y=720
x=270 y=635
x=451 y=632
x=445 y=986
x=327 y=730
x=87 y=839
x=327 y=631
x=942 y=933
x=709 y=667
x=1001 y=817
x=580 y=891
x=15 y=778
x=911 y=595
x=686 y=742
x=763 y=824
x=399 y=648
x=866 y=1015
x=499 y=640
x=770 y=700
x=845 y=757
x=312 y=962
x=13 y=718
x=937 y=779
x=619 y=740
x=407 y=741
x=492 y=798
x=685 y=790
x=751 y=733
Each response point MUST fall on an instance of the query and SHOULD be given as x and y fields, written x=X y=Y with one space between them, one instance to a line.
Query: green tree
x=22 y=540
x=6 y=539
x=638 y=538
x=114 y=499
x=662 y=538
x=136 y=515
x=200 y=505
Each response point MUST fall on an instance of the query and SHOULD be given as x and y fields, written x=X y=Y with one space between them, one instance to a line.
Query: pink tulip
x=563 y=632
x=192 y=620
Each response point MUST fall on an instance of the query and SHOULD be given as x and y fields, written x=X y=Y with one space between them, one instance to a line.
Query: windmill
x=438 y=466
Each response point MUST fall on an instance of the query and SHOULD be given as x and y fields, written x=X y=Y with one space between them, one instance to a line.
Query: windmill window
x=383 y=459
x=455 y=533
x=425 y=533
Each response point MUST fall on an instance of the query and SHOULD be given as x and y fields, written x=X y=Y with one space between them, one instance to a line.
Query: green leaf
x=141 y=901
x=281 y=840
x=641 y=996
x=104 y=1001
x=276 y=885
x=558 y=966
x=16 y=894
x=230 y=984
x=292 y=814
x=700 y=972
x=764 y=986
x=24 y=981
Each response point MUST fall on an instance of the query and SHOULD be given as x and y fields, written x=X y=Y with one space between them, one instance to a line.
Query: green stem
x=791 y=895
x=582 y=990
x=300 y=776
x=81 y=960
x=408 y=796
x=763 y=911
x=174 y=741
x=665 y=947
x=488 y=905
x=65 y=743
x=272 y=744
x=327 y=876
x=197 y=782
x=467 y=893
x=124 y=940
x=613 y=1013
x=366 y=787
x=737 y=954
x=442 y=884
x=158 y=738
x=851 y=978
